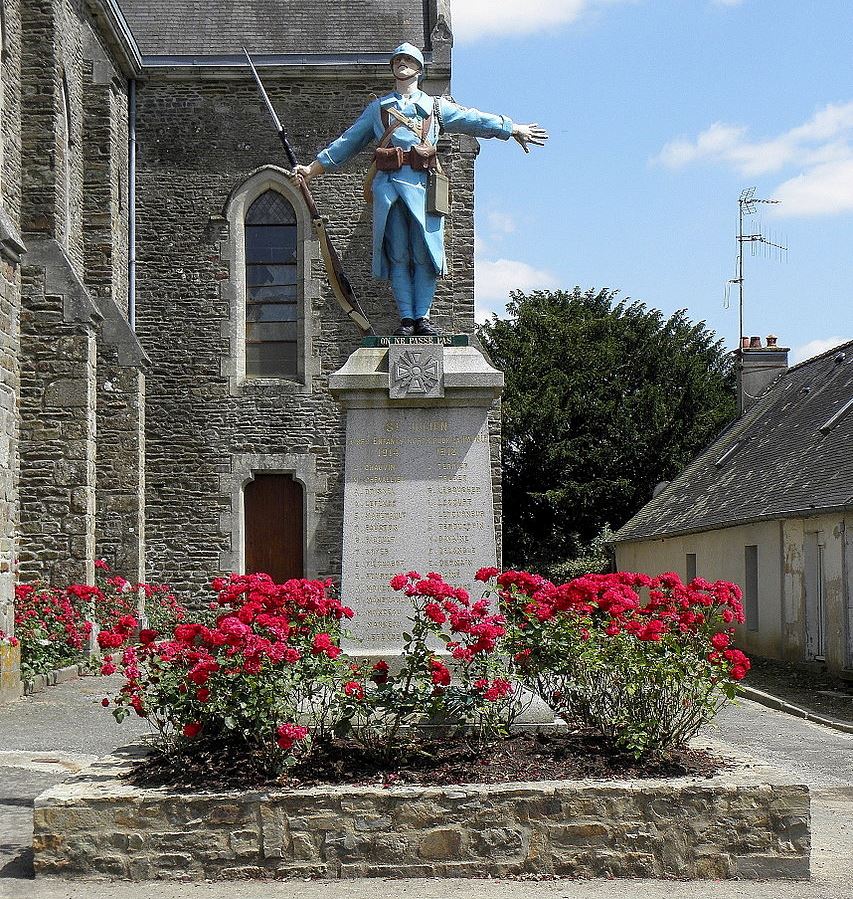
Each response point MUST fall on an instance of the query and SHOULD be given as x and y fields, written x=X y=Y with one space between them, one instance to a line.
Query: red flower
x=192 y=730
x=434 y=613
x=398 y=581
x=202 y=694
x=380 y=672
x=354 y=690
x=323 y=643
x=720 y=641
x=486 y=574
x=101 y=563
x=105 y=702
x=108 y=668
x=147 y=635
x=109 y=640
x=288 y=734
x=440 y=673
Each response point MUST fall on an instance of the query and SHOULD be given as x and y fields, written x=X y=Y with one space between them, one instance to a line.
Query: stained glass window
x=271 y=288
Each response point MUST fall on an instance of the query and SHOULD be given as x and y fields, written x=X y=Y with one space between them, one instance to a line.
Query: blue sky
x=660 y=113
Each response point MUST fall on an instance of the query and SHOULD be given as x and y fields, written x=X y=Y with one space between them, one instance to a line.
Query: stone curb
x=40 y=682
x=773 y=702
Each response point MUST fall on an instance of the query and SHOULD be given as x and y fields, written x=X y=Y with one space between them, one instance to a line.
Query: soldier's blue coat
x=407 y=185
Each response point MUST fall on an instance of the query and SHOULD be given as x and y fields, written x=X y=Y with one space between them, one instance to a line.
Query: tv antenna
x=757 y=241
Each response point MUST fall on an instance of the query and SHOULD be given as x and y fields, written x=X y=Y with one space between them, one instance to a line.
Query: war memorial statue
x=409 y=202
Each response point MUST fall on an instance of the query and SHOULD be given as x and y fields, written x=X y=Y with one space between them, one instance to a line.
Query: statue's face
x=405 y=67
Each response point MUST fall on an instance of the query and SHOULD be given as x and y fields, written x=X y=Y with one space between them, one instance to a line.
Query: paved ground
x=45 y=737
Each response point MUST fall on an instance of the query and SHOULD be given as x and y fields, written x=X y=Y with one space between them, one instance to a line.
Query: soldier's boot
x=406 y=329
x=425 y=328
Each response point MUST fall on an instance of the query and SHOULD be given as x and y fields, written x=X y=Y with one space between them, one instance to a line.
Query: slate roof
x=219 y=27
x=785 y=456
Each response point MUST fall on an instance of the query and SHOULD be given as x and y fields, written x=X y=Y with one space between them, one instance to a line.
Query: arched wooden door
x=273 y=519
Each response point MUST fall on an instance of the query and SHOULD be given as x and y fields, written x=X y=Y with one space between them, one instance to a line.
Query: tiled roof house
x=769 y=505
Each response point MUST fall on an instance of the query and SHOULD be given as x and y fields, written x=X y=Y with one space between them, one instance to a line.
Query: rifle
x=338 y=279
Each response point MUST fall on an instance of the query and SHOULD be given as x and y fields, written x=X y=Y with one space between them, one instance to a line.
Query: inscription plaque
x=418 y=491
x=430 y=509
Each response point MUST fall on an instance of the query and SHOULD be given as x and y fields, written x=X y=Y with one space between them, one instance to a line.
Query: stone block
x=441 y=845
x=502 y=844
x=772 y=867
x=11 y=687
x=67 y=393
x=579 y=835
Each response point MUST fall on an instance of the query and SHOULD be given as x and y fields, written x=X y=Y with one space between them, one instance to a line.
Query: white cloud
x=474 y=19
x=821 y=148
x=816 y=347
x=500 y=222
x=495 y=278
x=822 y=190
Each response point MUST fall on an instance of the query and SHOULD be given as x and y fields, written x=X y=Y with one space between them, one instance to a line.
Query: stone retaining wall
x=734 y=825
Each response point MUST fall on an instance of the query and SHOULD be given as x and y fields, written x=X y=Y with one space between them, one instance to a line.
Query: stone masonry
x=733 y=825
x=75 y=301
x=11 y=246
x=63 y=300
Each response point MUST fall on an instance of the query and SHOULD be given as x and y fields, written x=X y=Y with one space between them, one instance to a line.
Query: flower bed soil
x=524 y=758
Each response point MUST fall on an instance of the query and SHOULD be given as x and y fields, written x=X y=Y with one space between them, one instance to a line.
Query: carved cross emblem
x=416 y=372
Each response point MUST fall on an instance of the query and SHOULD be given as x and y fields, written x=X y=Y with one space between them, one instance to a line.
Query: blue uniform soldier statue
x=408 y=237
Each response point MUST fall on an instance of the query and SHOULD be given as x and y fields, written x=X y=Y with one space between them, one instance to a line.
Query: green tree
x=604 y=398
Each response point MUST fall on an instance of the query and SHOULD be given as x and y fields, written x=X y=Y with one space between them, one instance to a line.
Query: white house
x=769 y=505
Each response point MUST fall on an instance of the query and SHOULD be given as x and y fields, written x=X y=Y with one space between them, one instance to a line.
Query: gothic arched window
x=272 y=299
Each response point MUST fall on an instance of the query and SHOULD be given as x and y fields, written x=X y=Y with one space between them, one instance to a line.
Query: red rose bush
x=451 y=676
x=262 y=658
x=643 y=661
x=55 y=624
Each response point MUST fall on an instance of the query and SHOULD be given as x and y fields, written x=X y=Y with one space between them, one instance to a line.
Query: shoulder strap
x=390 y=128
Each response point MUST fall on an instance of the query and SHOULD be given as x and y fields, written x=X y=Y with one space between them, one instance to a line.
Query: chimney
x=757 y=367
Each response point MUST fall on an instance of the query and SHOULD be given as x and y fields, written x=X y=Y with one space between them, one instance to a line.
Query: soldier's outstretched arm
x=458 y=119
x=529 y=134
x=352 y=141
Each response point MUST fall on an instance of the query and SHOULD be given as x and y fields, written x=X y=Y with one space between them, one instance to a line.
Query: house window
x=750 y=587
x=690 y=567
x=272 y=300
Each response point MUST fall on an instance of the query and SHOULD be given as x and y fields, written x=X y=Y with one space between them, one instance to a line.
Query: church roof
x=166 y=28
x=791 y=454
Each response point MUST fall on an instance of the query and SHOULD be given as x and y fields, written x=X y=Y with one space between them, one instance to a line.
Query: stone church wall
x=208 y=428
x=10 y=309
x=80 y=495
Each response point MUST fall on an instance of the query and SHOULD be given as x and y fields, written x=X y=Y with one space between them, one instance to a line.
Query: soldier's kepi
x=408 y=235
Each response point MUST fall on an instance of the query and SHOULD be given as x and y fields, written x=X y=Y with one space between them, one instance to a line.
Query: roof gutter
x=755 y=519
x=110 y=17
x=332 y=66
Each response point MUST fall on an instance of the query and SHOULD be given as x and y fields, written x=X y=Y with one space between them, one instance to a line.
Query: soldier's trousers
x=413 y=275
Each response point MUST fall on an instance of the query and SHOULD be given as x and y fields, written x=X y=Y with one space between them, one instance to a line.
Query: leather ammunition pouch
x=422 y=157
x=389 y=159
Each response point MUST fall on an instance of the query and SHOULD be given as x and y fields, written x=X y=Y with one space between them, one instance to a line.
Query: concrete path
x=47 y=736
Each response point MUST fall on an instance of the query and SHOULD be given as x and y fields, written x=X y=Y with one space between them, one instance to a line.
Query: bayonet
x=338 y=280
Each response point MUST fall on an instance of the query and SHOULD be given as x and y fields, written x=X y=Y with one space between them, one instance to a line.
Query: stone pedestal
x=418 y=490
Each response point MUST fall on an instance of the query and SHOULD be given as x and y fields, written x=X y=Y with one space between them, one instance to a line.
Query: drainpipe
x=131 y=203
